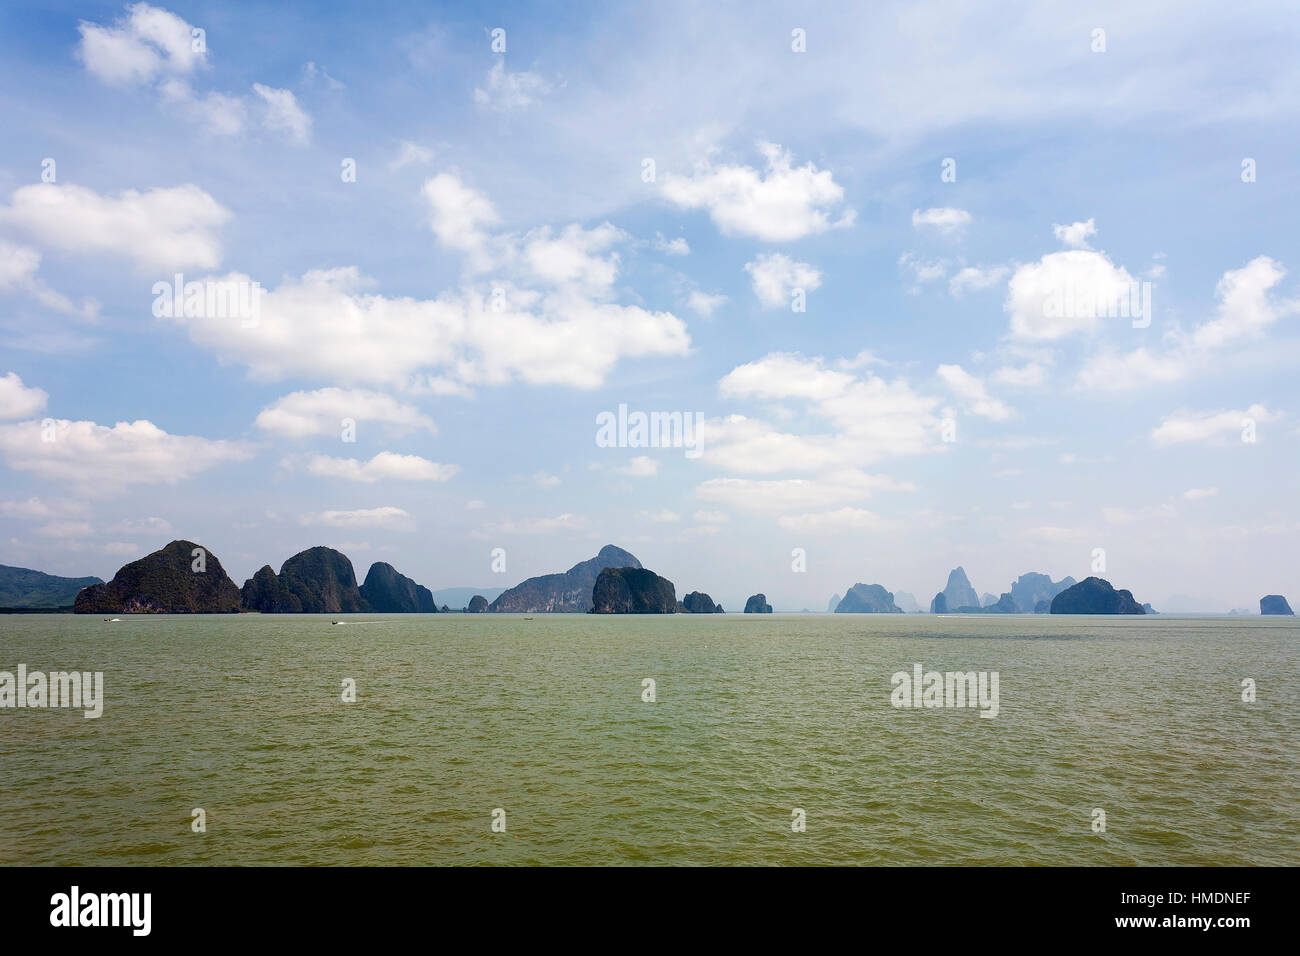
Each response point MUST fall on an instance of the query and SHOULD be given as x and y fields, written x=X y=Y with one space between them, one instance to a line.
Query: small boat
x=112 y=620
x=338 y=622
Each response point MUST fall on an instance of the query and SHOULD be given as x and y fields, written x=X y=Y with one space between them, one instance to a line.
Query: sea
x=654 y=740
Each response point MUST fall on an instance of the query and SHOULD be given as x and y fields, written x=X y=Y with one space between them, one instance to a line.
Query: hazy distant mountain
x=1095 y=596
x=986 y=599
x=867 y=599
x=23 y=587
x=460 y=597
x=958 y=593
x=570 y=591
x=907 y=603
x=834 y=602
x=165 y=582
x=1033 y=587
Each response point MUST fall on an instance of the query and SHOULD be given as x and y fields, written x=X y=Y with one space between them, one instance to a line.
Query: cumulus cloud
x=775 y=276
x=19 y=401
x=871 y=418
x=162 y=229
x=1245 y=312
x=137 y=48
x=786 y=203
x=99 y=460
x=386 y=465
x=1076 y=235
x=549 y=318
x=943 y=219
x=324 y=411
x=1065 y=293
x=325 y=325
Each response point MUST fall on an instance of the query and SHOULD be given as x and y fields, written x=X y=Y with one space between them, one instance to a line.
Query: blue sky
x=522 y=173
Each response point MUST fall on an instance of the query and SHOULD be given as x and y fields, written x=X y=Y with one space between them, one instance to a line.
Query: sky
x=878 y=253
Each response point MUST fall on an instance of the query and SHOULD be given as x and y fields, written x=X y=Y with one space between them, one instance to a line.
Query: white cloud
x=1065 y=293
x=788 y=203
x=101 y=460
x=792 y=494
x=663 y=516
x=459 y=215
x=147 y=42
x=215 y=113
x=1029 y=375
x=973 y=278
x=711 y=517
x=944 y=219
x=283 y=114
x=545 y=480
x=164 y=229
x=1076 y=235
x=972 y=394
x=871 y=418
x=1244 y=314
x=18 y=265
x=923 y=270
x=775 y=276
x=1209 y=427
x=642 y=466
x=388 y=517
x=386 y=465
x=322 y=412
x=704 y=304
x=841 y=521
x=672 y=247
x=324 y=325
x=19 y=401
x=1196 y=494
x=505 y=91
x=563 y=522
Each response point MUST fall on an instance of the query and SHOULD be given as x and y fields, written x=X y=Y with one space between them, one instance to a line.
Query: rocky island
x=182 y=578
x=570 y=591
x=1274 y=604
x=757 y=604
x=867 y=599
x=632 y=591
x=1095 y=596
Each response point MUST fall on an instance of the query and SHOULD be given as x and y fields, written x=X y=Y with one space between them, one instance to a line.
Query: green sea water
x=460 y=715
